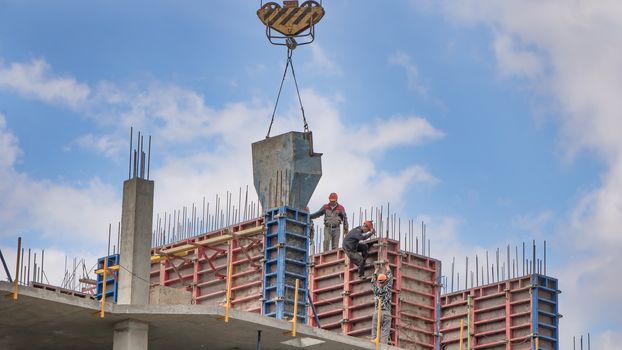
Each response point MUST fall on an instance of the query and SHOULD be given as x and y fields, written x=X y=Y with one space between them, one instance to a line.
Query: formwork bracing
x=508 y=315
x=345 y=303
x=199 y=265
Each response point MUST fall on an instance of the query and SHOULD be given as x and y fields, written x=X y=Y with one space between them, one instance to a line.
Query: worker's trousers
x=385 y=325
x=358 y=259
x=331 y=238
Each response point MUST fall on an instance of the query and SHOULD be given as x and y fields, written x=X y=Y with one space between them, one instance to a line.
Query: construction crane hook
x=284 y=24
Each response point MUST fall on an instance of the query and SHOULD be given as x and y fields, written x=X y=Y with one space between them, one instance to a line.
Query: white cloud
x=516 y=61
x=8 y=145
x=35 y=80
x=536 y=225
x=108 y=145
x=403 y=60
x=608 y=339
x=570 y=51
x=395 y=131
x=61 y=212
x=321 y=63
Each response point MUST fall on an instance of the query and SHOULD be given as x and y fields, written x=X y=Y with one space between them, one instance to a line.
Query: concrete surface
x=286 y=170
x=162 y=295
x=42 y=319
x=136 y=222
x=131 y=335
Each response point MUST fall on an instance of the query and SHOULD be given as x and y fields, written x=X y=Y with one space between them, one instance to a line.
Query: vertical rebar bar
x=533 y=268
x=149 y=158
x=487 y=269
x=466 y=274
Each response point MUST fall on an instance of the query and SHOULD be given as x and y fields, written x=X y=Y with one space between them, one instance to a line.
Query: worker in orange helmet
x=355 y=250
x=382 y=286
x=334 y=215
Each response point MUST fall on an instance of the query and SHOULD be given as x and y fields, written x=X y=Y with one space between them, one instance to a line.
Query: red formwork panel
x=345 y=302
x=326 y=287
x=418 y=303
x=360 y=302
x=203 y=270
x=501 y=315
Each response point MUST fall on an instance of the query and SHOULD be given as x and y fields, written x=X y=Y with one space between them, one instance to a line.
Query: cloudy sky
x=496 y=122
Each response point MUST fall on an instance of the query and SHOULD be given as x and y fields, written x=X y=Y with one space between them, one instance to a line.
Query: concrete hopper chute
x=286 y=170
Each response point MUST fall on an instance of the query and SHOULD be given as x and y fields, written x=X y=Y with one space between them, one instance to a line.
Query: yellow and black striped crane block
x=291 y=19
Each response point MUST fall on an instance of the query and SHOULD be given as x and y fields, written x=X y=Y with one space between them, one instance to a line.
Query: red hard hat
x=382 y=277
x=332 y=197
x=369 y=224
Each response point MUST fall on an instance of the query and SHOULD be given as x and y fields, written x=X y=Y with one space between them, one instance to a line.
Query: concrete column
x=131 y=335
x=136 y=228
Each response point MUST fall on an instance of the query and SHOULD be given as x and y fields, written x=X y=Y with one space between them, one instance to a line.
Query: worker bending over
x=382 y=286
x=355 y=250
x=334 y=215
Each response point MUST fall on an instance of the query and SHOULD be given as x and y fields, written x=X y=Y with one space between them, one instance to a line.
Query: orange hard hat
x=382 y=277
x=369 y=224
x=332 y=197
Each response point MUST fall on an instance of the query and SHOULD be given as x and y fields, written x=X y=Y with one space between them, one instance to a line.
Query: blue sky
x=494 y=122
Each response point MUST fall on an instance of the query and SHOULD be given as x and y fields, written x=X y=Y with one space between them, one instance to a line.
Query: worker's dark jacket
x=333 y=216
x=383 y=292
x=352 y=239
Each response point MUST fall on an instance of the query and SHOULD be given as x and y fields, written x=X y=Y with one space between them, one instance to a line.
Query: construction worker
x=355 y=250
x=382 y=286
x=334 y=215
x=311 y=235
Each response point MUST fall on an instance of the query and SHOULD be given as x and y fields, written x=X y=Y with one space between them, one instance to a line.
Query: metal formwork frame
x=202 y=258
x=437 y=308
x=111 y=279
x=548 y=286
x=510 y=314
x=326 y=260
x=433 y=267
x=356 y=295
x=279 y=267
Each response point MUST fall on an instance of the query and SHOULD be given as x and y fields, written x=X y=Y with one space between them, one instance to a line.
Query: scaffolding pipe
x=378 y=326
x=295 y=319
x=461 y=332
x=229 y=274
x=15 y=282
x=6 y=268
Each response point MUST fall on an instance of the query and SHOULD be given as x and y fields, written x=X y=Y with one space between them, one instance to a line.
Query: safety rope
x=302 y=109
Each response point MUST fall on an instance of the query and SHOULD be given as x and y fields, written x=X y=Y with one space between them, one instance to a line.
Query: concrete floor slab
x=42 y=319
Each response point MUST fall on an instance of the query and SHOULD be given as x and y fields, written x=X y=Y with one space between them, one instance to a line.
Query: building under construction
x=249 y=273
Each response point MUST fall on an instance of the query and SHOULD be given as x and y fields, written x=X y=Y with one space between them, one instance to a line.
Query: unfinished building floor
x=42 y=319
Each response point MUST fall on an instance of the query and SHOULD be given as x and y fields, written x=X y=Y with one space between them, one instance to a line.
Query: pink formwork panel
x=203 y=270
x=360 y=298
x=501 y=315
x=418 y=297
x=345 y=303
x=326 y=286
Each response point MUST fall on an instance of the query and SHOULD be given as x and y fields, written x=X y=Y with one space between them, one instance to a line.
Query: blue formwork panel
x=111 y=281
x=545 y=315
x=286 y=252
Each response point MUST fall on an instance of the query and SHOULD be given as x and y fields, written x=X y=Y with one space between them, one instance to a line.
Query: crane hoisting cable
x=291 y=22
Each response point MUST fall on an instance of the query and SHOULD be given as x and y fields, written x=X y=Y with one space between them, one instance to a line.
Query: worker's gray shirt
x=333 y=216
